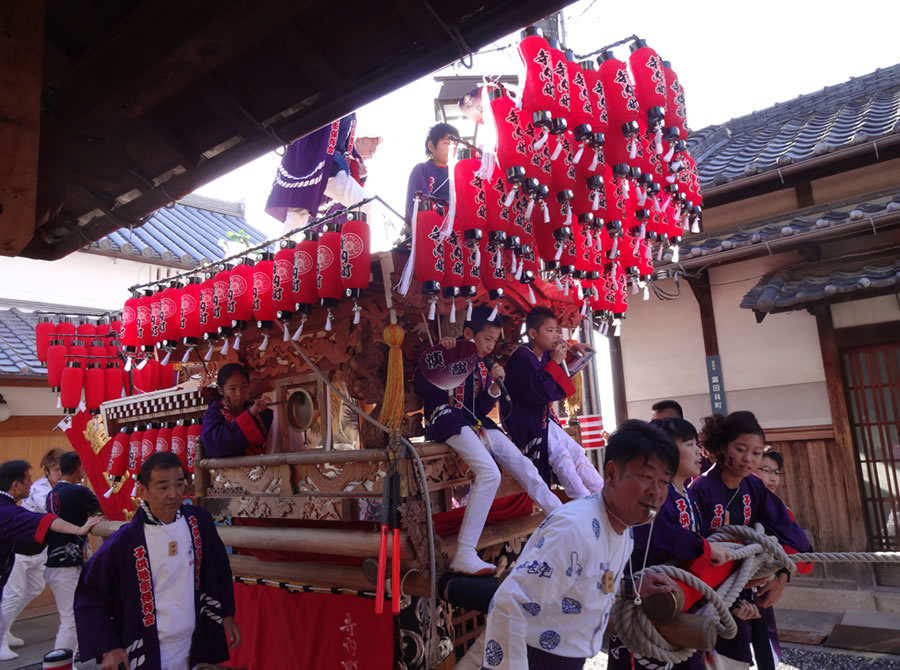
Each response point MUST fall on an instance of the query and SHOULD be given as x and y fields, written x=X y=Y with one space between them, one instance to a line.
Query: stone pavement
x=38 y=634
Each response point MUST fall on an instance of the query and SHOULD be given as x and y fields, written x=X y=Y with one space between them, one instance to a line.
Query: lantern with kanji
x=240 y=299
x=164 y=438
x=148 y=441
x=562 y=98
x=676 y=111
x=144 y=327
x=581 y=113
x=428 y=250
x=512 y=145
x=306 y=294
x=44 y=331
x=538 y=89
x=264 y=312
x=129 y=338
x=119 y=456
x=356 y=257
x=454 y=271
x=208 y=323
x=154 y=313
x=220 y=312
x=650 y=88
x=282 y=284
x=179 y=442
x=135 y=451
x=189 y=318
x=328 y=269
x=169 y=324
x=195 y=427
x=622 y=109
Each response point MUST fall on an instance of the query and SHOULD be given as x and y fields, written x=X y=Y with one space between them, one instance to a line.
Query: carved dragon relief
x=341 y=478
x=256 y=480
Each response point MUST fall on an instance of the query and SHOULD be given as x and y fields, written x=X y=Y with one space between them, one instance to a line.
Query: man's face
x=235 y=391
x=440 y=152
x=20 y=490
x=485 y=340
x=743 y=455
x=769 y=473
x=667 y=413
x=641 y=486
x=547 y=336
x=53 y=474
x=164 y=493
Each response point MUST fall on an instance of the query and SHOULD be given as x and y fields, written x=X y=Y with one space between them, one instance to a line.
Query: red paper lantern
x=676 y=110
x=356 y=256
x=144 y=325
x=86 y=330
x=148 y=442
x=328 y=269
x=221 y=312
x=585 y=241
x=240 y=296
x=65 y=332
x=94 y=387
x=283 y=281
x=454 y=271
x=493 y=268
x=193 y=437
x=129 y=337
x=620 y=306
x=135 y=450
x=169 y=323
x=538 y=89
x=103 y=327
x=562 y=98
x=164 y=438
x=97 y=352
x=189 y=321
x=155 y=315
x=263 y=302
x=179 y=441
x=622 y=109
x=207 y=315
x=512 y=144
x=119 y=455
x=79 y=353
x=471 y=199
x=152 y=375
x=44 y=331
x=649 y=84
x=56 y=361
x=71 y=384
x=306 y=293
x=112 y=381
x=428 y=263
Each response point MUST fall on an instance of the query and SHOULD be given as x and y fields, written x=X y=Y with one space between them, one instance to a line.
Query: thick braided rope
x=758 y=554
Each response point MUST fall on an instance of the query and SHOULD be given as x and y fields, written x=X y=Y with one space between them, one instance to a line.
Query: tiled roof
x=795 y=286
x=857 y=111
x=17 y=354
x=872 y=206
x=187 y=233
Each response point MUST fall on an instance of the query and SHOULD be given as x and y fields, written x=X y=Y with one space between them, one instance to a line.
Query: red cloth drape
x=503 y=509
x=280 y=629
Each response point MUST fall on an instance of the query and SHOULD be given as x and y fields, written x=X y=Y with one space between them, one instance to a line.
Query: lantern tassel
x=568 y=216
x=514 y=267
x=468 y=309
x=634 y=286
x=450 y=219
x=328 y=320
x=659 y=253
x=579 y=153
x=646 y=292
x=109 y=492
x=265 y=343
x=579 y=292
x=140 y=366
x=588 y=238
x=128 y=363
x=626 y=187
x=432 y=308
x=224 y=350
x=393 y=405
x=546 y=211
x=477 y=260
x=58 y=402
x=557 y=151
x=669 y=153
x=618 y=331
x=208 y=353
x=595 y=202
x=594 y=163
x=541 y=141
x=676 y=165
x=165 y=360
x=599 y=240
x=642 y=233
x=675 y=254
x=488 y=137
x=520 y=269
x=670 y=179
x=299 y=330
x=566 y=288
x=287 y=333
x=615 y=248
x=498 y=257
x=695 y=226
x=356 y=313
x=237 y=341
x=187 y=355
x=510 y=196
x=559 y=286
x=559 y=250
x=406 y=276
x=494 y=311
x=632 y=148
x=583 y=309
x=529 y=209
x=531 y=297
x=658 y=140
x=452 y=311
x=642 y=196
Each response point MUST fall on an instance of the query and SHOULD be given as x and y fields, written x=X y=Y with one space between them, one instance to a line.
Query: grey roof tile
x=17 y=353
x=861 y=109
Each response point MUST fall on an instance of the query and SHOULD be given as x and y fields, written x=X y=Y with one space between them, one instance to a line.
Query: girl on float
x=234 y=425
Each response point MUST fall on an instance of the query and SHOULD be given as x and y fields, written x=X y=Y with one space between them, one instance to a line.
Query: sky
x=732 y=59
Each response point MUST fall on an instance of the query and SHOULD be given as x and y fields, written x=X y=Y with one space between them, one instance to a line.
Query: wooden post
x=22 y=55
x=703 y=293
x=618 y=375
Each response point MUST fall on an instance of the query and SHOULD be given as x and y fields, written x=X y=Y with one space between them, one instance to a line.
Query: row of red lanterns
x=134 y=444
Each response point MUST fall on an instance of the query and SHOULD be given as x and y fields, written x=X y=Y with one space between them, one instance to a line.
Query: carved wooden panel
x=276 y=507
x=260 y=479
x=340 y=478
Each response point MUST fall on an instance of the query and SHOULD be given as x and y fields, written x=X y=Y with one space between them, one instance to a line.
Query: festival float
x=342 y=531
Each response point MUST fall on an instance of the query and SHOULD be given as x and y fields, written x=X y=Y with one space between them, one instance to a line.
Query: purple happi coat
x=18 y=524
x=114 y=601
x=429 y=179
x=227 y=435
x=448 y=412
x=308 y=164
x=749 y=504
x=675 y=539
x=533 y=384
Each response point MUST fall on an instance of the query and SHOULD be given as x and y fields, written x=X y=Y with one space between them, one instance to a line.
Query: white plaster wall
x=30 y=401
x=865 y=312
x=81 y=279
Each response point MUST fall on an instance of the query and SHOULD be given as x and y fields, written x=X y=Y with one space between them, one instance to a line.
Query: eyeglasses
x=770 y=471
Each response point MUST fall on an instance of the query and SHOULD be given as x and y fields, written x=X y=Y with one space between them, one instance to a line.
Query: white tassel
x=134 y=491
x=531 y=297
x=328 y=320
x=675 y=254
x=588 y=238
x=520 y=269
x=498 y=257
x=685 y=223
x=559 y=286
x=671 y=179
x=224 y=347
x=108 y=493
x=595 y=162
x=642 y=196
x=646 y=292
x=676 y=166
x=468 y=309
x=566 y=288
x=546 y=211
x=695 y=226
x=143 y=362
x=123 y=394
x=406 y=275
x=658 y=140
x=299 y=331
x=615 y=282
x=559 y=250
x=666 y=203
x=495 y=311
x=510 y=196
x=604 y=328
x=356 y=313
x=452 y=311
x=237 y=341
x=583 y=309
x=642 y=233
x=477 y=260
x=488 y=137
x=165 y=360
x=599 y=239
x=58 y=402
x=557 y=151
x=595 y=203
x=541 y=141
x=128 y=363
x=265 y=343
x=529 y=209
x=187 y=355
x=568 y=216
x=632 y=149
x=659 y=253
x=618 y=325
x=626 y=187
x=208 y=353
x=432 y=309
x=514 y=265
x=634 y=286
x=669 y=153
x=579 y=153
x=658 y=205
x=287 y=333
x=580 y=292
x=615 y=248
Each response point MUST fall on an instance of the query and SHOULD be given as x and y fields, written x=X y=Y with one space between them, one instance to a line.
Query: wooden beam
x=844 y=461
x=703 y=293
x=21 y=52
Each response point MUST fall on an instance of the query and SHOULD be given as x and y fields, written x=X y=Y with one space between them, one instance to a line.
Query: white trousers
x=481 y=457
x=63 y=581
x=341 y=187
x=26 y=582
x=570 y=464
